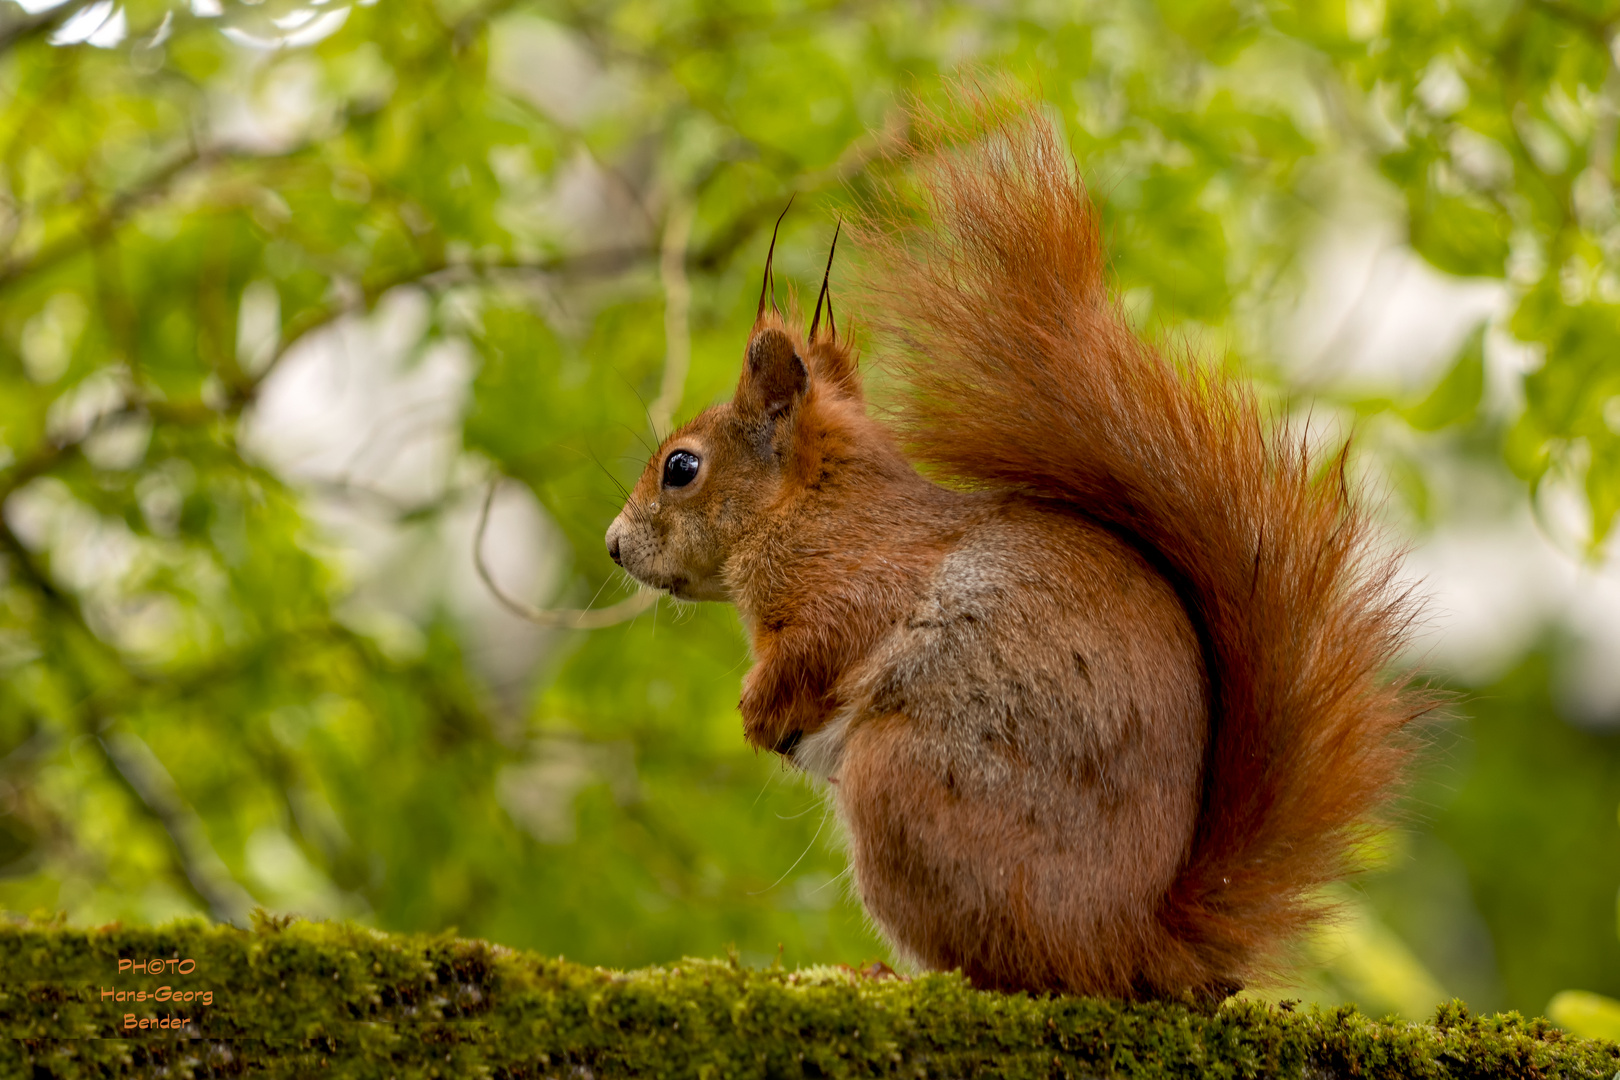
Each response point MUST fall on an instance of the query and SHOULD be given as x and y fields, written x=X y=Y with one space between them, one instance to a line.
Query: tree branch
x=1602 y=30
x=134 y=764
x=145 y=777
x=432 y=272
x=111 y=216
x=60 y=599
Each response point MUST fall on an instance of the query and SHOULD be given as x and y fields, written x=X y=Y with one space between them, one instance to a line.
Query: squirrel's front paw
x=760 y=727
x=770 y=720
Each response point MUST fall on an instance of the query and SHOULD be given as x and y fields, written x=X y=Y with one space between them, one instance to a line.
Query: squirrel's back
x=1025 y=377
x=1018 y=761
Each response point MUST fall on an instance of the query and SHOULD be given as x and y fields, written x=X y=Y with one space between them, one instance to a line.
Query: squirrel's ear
x=774 y=377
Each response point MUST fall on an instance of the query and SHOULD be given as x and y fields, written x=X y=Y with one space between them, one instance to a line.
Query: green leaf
x=1603 y=484
x=1456 y=396
x=1591 y=1016
x=1461 y=235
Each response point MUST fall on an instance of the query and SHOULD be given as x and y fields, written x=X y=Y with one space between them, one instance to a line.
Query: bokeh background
x=291 y=292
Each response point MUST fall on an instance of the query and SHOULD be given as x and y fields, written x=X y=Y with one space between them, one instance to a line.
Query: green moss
x=333 y=999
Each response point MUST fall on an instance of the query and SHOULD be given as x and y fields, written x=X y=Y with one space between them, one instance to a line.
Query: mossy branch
x=334 y=999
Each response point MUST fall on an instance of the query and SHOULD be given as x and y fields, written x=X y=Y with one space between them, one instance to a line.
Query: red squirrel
x=1101 y=700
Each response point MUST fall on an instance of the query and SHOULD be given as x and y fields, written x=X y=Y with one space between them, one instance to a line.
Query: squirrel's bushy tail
x=1024 y=374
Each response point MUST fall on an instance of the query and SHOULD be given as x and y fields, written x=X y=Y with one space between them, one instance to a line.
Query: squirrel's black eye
x=680 y=468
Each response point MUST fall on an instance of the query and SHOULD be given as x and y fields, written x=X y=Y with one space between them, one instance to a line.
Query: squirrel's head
x=715 y=480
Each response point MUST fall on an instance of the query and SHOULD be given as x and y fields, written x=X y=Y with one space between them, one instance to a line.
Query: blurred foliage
x=1522 y=802
x=1496 y=121
x=209 y=700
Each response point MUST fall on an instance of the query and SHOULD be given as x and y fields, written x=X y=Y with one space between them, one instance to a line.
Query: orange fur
x=1102 y=717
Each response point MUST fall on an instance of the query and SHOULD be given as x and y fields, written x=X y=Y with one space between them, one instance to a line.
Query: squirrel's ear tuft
x=834 y=365
x=774 y=377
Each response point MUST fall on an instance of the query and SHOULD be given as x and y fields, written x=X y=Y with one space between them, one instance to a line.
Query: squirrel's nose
x=613 y=546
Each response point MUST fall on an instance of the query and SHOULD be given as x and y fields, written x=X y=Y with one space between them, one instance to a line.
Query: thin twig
x=677 y=316
x=566 y=618
x=677 y=361
x=856 y=158
x=1607 y=112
